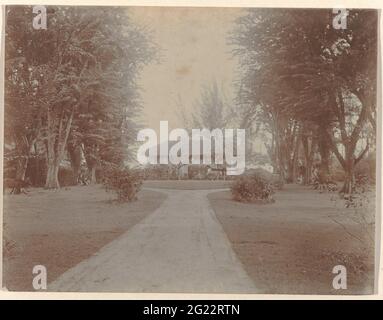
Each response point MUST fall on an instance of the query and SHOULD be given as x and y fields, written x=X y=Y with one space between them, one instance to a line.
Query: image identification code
x=198 y=309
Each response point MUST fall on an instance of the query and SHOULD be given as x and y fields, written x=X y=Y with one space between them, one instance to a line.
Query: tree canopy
x=303 y=78
x=73 y=82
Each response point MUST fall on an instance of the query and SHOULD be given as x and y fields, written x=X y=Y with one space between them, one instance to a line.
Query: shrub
x=362 y=191
x=157 y=172
x=253 y=188
x=323 y=181
x=124 y=182
x=366 y=167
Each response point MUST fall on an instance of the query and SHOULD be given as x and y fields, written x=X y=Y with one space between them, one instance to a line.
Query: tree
x=80 y=77
x=294 y=68
x=210 y=108
x=22 y=112
x=353 y=99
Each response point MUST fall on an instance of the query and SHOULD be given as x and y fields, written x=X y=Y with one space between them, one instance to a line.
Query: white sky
x=194 y=52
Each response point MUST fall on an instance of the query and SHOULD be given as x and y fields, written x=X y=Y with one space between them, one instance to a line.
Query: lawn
x=292 y=245
x=59 y=229
x=289 y=246
x=187 y=184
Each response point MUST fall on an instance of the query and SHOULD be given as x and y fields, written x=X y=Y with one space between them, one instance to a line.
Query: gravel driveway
x=181 y=247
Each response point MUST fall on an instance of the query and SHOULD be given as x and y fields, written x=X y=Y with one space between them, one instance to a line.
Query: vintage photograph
x=190 y=150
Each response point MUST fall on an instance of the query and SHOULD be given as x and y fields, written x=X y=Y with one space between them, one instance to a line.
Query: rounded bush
x=253 y=188
x=124 y=182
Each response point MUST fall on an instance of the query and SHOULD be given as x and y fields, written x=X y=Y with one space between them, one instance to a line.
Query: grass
x=292 y=245
x=59 y=229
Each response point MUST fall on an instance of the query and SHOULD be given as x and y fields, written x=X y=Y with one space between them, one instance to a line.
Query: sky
x=193 y=53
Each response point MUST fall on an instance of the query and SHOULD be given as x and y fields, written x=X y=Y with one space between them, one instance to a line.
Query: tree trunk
x=92 y=165
x=52 y=181
x=279 y=156
x=76 y=172
x=21 y=168
x=324 y=151
x=92 y=175
x=20 y=171
x=75 y=160
x=58 y=132
x=92 y=161
x=349 y=178
x=348 y=167
x=349 y=141
x=307 y=177
x=291 y=172
x=53 y=164
x=24 y=150
x=293 y=162
x=308 y=153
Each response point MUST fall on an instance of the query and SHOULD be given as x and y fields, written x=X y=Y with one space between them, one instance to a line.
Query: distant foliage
x=254 y=188
x=367 y=168
x=275 y=179
x=157 y=172
x=124 y=182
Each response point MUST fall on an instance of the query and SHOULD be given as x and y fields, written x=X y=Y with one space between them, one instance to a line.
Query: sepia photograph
x=204 y=150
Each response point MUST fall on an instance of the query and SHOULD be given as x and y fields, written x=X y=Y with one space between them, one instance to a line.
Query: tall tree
x=86 y=64
x=23 y=81
x=295 y=68
x=210 y=108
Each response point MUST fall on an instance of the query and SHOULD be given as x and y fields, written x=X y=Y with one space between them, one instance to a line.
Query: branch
x=371 y=119
x=340 y=115
x=334 y=148
x=361 y=155
x=358 y=127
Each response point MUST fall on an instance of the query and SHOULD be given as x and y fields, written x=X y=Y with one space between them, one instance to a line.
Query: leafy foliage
x=360 y=196
x=124 y=182
x=253 y=188
x=303 y=77
x=74 y=82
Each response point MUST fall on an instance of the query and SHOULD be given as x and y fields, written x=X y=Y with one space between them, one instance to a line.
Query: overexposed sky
x=194 y=52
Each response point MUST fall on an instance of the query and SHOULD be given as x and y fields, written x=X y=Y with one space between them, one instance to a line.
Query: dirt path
x=181 y=247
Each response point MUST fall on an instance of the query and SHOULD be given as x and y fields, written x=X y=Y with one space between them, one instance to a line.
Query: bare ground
x=60 y=229
x=292 y=245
